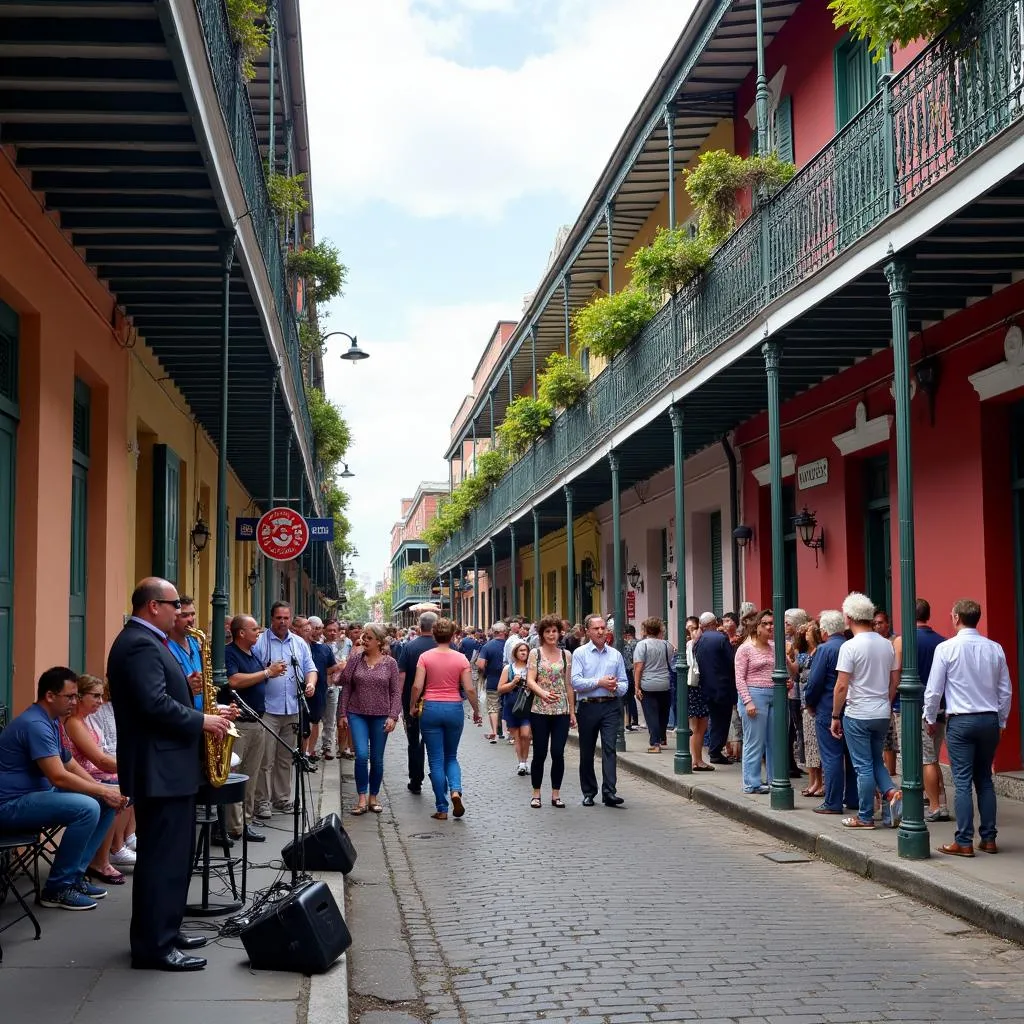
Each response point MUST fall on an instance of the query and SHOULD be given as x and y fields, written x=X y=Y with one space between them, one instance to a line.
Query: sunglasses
x=173 y=604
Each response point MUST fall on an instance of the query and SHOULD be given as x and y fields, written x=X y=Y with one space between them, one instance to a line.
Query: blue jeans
x=757 y=737
x=85 y=822
x=836 y=766
x=865 y=737
x=368 y=740
x=441 y=727
x=971 y=741
x=673 y=706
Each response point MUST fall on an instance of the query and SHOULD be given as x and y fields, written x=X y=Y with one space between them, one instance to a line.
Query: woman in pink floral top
x=755 y=660
x=371 y=704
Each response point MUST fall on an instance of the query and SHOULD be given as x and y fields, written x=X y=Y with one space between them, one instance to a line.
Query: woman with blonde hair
x=86 y=747
x=513 y=675
x=444 y=680
x=370 y=705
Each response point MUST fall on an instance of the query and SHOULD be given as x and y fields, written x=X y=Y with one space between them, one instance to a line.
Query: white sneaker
x=523 y=769
x=124 y=858
x=130 y=842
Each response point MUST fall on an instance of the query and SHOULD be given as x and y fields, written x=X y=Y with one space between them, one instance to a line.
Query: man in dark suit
x=159 y=767
x=715 y=658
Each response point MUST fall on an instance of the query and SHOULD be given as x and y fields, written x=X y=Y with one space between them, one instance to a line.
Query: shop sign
x=813 y=474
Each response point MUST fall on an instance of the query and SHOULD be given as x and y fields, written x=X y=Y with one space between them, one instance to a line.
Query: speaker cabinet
x=304 y=932
x=325 y=847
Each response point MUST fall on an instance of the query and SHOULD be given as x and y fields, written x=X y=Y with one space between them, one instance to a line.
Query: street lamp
x=354 y=353
x=347 y=474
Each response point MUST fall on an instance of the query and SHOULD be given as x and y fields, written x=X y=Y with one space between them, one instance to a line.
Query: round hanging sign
x=282 y=534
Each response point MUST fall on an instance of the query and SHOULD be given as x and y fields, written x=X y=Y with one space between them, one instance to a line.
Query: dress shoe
x=414 y=787
x=956 y=850
x=173 y=961
x=719 y=759
x=988 y=846
x=217 y=838
x=588 y=801
x=251 y=835
x=183 y=941
x=612 y=801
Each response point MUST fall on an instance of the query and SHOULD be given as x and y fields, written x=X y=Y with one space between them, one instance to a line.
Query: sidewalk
x=79 y=973
x=987 y=891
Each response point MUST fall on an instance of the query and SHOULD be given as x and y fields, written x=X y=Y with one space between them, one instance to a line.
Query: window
x=166 y=512
x=81 y=432
x=856 y=79
x=715 y=534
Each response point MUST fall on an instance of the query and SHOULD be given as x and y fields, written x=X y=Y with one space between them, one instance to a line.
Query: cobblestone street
x=663 y=911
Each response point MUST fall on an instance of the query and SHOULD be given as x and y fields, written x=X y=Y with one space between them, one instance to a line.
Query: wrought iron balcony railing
x=415 y=593
x=234 y=102
x=960 y=92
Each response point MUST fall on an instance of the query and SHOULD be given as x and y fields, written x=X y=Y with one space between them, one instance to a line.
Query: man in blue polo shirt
x=490 y=662
x=41 y=786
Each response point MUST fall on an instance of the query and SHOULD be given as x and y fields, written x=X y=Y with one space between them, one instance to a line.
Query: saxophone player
x=185 y=648
x=159 y=734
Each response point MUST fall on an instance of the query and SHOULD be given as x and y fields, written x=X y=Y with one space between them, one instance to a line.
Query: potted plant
x=562 y=381
x=609 y=323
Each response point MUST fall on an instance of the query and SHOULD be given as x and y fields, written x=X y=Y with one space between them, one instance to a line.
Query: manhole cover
x=427 y=835
x=787 y=857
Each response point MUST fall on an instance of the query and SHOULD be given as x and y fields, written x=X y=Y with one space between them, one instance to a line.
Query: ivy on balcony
x=609 y=323
x=247 y=21
x=672 y=261
x=525 y=421
x=321 y=268
x=882 y=22
x=287 y=194
x=419 y=574
x=562 y=381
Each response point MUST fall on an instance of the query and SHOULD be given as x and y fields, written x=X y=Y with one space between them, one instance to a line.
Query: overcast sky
x=450 y=141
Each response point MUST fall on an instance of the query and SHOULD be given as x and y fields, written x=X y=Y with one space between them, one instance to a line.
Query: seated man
x=41 y=786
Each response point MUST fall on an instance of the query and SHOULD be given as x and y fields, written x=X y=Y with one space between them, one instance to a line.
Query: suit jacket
x=715 y=657
x=158 y=729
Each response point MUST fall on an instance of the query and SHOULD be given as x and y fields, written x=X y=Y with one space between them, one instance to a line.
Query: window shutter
x=717 y=593
x=784 y=129
x=166 y=512
x=753 y=141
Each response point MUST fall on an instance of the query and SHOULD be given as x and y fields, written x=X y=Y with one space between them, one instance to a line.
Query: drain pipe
x=734 y=514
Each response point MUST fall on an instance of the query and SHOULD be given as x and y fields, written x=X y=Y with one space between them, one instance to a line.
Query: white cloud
x=401 y=402
x=395 y=117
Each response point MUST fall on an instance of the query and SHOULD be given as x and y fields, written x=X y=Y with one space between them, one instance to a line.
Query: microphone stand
x=301 y=764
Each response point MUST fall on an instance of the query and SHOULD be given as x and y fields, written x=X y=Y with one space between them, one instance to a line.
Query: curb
x=327 y=999
x=974 y=902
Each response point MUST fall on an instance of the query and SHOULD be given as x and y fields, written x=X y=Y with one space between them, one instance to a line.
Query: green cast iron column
x=513 y=592
x=511 y=392
x=782 y=789
x=272 y=52
x=912 y=837
x=490 y=403
x=761 y=95
x=620 y=606
x=219 y=603
x=476 y=592
x=268 y=563
x=451 y=595
x=566 y=284
x=570 y=557
x=533 y=359
x=537 y=602
x=670 y=132
x=609 y=214
x=683 y=761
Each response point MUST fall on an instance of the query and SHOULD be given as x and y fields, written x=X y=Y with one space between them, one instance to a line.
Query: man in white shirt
x=971 y=672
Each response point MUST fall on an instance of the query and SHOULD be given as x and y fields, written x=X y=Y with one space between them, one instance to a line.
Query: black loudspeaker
x=325 y=847
x=304 y=932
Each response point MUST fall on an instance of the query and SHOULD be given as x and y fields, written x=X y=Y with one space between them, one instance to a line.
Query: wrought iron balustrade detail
x=955 y=97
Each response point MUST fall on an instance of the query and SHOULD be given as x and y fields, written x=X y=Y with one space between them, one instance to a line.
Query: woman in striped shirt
x=755 y=660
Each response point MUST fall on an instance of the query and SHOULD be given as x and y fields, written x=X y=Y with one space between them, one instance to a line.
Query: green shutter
x=753 y=141
x=78 y=584
x=166 y=512
x=856 y=79
x=717 y=595
x=784 y=129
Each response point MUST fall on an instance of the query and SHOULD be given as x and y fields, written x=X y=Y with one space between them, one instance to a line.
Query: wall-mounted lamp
x=200 y=533
x=742 y=535
x=927 y=374
x=806 y=525
x=588 y=580
x=253 y=578
x=634 y=579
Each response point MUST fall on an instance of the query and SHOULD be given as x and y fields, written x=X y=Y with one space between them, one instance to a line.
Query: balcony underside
x=91 y=102
x=961 y=262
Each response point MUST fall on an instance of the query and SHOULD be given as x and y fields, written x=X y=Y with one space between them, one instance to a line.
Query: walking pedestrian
x=371 y=704
x=755 y=660
x=652 y=668
x=442 y=678
x=714 y=657
x=599 y=679
x=806 y=640
x=407 y=666
x=549 y=677
x=970 y=671
x=866 y=680
x=490 y=662
x=629 y=704
x=513 y=676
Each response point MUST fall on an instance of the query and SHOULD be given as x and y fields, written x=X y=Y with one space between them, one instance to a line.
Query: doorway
x=8 y=453
x=877 y=534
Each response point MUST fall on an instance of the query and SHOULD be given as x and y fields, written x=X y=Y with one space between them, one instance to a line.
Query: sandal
x=376 y=809
x=856 y=823
x=357 y=810
x=114 y=878
x=440 y=815
x=808 y=792
x=535 y=803
x=654 y=750
x=557 y=802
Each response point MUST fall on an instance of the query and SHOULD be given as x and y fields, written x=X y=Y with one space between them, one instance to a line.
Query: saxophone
x=216 y=753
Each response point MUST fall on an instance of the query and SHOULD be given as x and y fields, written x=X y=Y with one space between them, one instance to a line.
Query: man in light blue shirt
x=600 y=681
x=278 y=645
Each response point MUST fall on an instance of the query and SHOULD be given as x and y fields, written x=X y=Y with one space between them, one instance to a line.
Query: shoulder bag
x=522 y=702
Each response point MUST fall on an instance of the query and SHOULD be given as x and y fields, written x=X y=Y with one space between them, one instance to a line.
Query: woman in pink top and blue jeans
x=443 y=677
x=755 y=660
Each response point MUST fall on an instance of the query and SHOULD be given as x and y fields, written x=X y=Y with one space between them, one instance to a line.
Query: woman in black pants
x=652 y=665
x=549 y=678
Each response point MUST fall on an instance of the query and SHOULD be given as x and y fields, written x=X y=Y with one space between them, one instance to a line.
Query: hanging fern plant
x=670 y=262
x=562 y=381
x=247 y=22
x=320 y=267
x=609 y=323
x=881 y=23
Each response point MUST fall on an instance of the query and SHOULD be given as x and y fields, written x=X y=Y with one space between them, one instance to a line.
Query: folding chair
x=19 y=856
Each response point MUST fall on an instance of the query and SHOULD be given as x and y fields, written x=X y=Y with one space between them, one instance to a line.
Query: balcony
x=404 y=595
x=927 y=122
